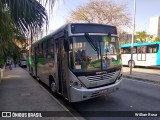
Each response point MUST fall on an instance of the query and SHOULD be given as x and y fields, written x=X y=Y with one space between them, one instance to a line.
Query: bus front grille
x=101 y=77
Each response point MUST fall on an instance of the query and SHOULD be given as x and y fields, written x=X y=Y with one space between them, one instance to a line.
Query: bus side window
x=124 y=51
x=134 y=50
x=128 y=50
x=149 y=50
x=44 y=49
x=121 y=51
x=138 y=49
x=38 y=50
x=50 y=48
x=32 y=54
x=143 y=49
x=152 y=49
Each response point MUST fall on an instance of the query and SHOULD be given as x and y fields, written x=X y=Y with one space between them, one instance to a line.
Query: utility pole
x=133 y=36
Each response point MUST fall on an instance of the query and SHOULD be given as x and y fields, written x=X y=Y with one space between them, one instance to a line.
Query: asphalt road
x=134 y=96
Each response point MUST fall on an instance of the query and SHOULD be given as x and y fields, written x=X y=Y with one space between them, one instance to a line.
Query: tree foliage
x=17 y=17
x=25 y=14
x=103 y=12
x=143 y=37
x=156 y=39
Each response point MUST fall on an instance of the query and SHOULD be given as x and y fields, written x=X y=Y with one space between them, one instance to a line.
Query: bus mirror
x=66 y=47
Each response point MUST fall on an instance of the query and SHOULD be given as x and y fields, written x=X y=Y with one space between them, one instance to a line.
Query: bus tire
x=53 y=86
x=133 y=64
x=32 y=73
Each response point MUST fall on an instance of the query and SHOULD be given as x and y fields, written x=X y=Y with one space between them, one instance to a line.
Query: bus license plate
x=102 y=91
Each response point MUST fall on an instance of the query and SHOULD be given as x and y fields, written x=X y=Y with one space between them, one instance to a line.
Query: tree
x=143 y=37
x=156 y=39
x=17 y=17
x=25 y=14
x=103 y=12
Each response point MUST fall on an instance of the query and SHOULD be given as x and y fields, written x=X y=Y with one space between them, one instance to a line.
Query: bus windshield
x=84 y=57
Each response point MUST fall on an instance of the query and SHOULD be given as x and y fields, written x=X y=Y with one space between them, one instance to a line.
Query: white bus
x=78 y=61
x=144 y=54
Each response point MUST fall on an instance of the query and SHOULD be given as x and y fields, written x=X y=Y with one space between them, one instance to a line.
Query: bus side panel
x=125 y=59
x=42 y=70
x=149 y=61
x=46 y=67
x=152 y=59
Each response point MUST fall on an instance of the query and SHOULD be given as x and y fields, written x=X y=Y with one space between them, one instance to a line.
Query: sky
x=145 y=9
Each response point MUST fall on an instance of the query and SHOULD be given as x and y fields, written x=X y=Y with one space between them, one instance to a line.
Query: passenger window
x=50 y=48
x=152 y=48
x=141 y=49
x=126 y=50
x=134 y=50
x=138 y=49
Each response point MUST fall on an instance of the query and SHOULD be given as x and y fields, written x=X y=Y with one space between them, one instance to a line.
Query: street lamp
x=133 y=36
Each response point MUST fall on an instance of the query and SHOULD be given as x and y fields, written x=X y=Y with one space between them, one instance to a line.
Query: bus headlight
x=76 y=84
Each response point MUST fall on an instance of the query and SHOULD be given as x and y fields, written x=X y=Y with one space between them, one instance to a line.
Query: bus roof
x=65 y=26
x=140 y=44
x=50 y=35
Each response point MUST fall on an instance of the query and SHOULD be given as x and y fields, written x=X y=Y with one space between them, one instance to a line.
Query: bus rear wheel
x=131 y=62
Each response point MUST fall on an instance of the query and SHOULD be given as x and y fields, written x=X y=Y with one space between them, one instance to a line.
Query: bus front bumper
x=82 y=94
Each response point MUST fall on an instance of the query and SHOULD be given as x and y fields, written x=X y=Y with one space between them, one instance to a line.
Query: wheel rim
x=53 y=87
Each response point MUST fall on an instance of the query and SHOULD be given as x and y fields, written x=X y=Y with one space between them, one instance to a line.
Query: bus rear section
x=79 y=61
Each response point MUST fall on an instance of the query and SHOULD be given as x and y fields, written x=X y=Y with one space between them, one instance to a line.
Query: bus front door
x=61 y=68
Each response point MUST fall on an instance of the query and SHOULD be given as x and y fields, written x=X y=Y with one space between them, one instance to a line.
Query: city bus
x=23 y=58
x=79 y=61
x=144 y=54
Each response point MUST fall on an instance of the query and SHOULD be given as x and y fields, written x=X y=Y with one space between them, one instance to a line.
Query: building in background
x=125 y=37
x=154 y=26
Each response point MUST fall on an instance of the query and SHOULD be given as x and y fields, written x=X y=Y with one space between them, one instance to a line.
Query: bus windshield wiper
x=92 y=43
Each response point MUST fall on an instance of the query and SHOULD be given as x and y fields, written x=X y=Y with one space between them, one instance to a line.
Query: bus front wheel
x=53 y=87
x=131 y=62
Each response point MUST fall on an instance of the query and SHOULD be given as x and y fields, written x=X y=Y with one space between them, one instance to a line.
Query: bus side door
x=141 y=53
x=61 y=67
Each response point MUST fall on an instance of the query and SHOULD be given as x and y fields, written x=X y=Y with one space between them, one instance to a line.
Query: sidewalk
x=20 y=92
x=143 y=74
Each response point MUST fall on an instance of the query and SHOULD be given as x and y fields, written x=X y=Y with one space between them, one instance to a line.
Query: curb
x=59 y=103
x=141 y=79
